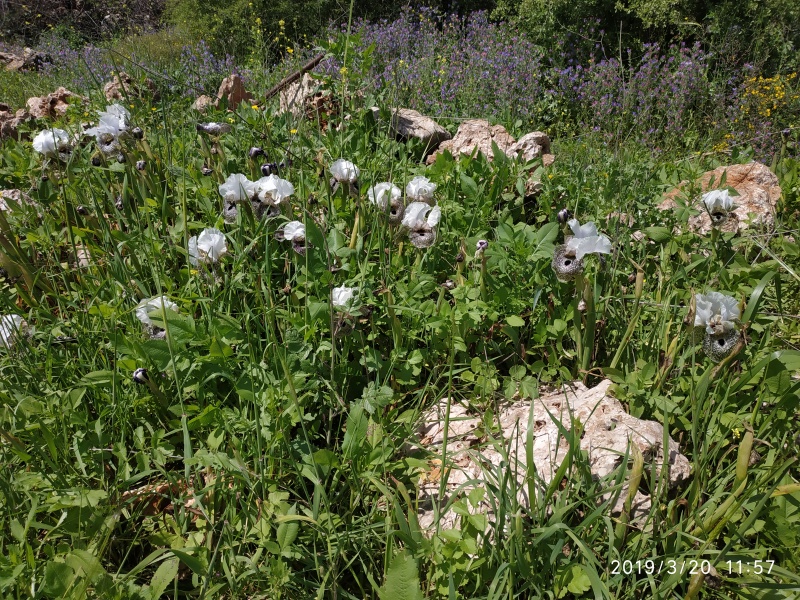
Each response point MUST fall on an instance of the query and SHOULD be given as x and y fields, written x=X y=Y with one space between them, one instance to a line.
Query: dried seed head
x=96 y=160
x=137 y=133
x=566 y=266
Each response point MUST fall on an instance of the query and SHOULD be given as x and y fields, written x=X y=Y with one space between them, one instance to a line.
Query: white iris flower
x=343 y=297
x=716 y=312
x=51 y=142
x=11 y=327
x=586 y=240
x=272 y=189
x=237 y=188
x=420 y=189
x=344 y=171
x=208 y=247
x=153 y=305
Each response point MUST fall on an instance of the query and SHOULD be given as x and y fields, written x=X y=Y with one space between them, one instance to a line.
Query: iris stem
x=577 y=320
x=483 y=278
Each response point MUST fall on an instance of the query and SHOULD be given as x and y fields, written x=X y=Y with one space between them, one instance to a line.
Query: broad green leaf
x=357 y=423
x=163 y=576
x=658 y=234
x=515 y=321
x=402 y=579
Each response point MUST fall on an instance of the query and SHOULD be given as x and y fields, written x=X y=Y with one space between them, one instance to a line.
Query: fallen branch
x=294 y=76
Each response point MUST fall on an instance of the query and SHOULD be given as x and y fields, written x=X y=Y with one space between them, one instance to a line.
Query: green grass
x=274 y=428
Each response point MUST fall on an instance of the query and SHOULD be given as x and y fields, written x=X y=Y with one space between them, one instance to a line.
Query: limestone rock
x=407 y=123
x=203 y=102
x=758 y=190
x=53 y=105
x=476 y=135
x=233 y=91
x=15 y=196
x=10 y=121
x=475 y=461
x=304 y=99
x=31 y=60
x=123 y=86
x=531 y=146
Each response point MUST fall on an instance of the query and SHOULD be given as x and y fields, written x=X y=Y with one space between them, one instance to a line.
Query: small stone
x=203 y=103
x=123 y=86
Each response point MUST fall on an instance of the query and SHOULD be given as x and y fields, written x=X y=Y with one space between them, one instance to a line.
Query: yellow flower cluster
x=763 y=97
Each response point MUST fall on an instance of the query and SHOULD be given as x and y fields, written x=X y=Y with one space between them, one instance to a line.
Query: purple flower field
x=454 y=68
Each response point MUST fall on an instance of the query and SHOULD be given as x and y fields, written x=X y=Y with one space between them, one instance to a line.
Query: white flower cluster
x=265 y=195
x=112 y=129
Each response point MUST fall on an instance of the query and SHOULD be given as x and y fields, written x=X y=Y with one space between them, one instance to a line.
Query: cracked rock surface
x=477 y=460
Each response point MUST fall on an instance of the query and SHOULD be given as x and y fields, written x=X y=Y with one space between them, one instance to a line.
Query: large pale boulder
x=758 y=191
x=16 y=196
x=203 y=103
x=30 y=60
x=475 y=459
x=53 y=105
x=407 y=123
x=296 y=97
x=531 y=145
x=477 y=135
